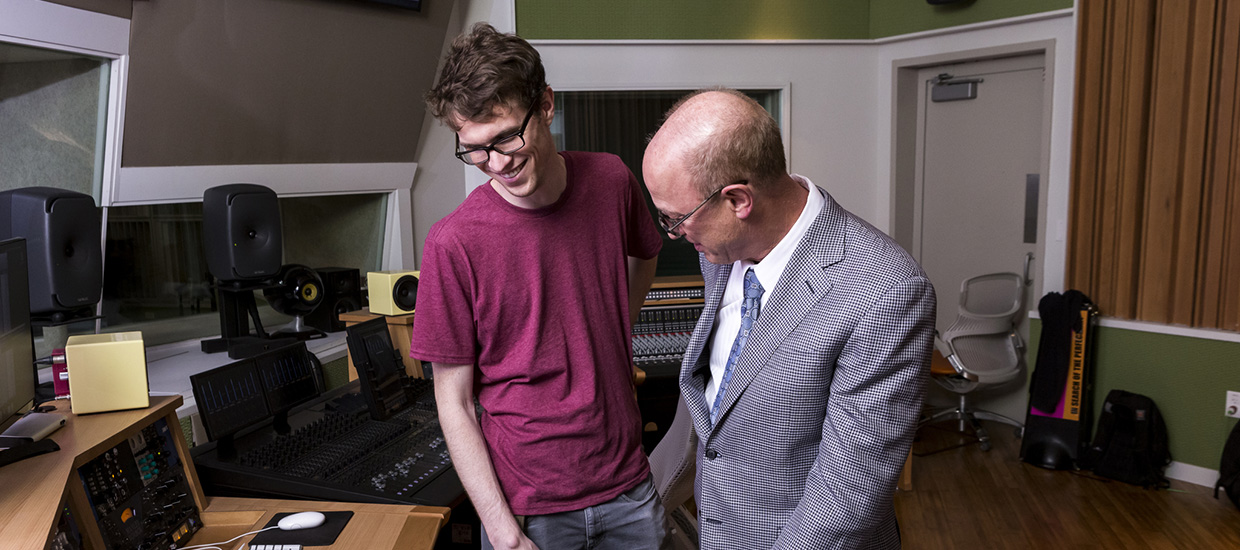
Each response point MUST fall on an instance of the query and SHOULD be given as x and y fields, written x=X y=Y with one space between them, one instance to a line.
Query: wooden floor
x=967 y=498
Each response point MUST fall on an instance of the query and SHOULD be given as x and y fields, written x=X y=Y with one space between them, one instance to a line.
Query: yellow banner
x=1076 y=376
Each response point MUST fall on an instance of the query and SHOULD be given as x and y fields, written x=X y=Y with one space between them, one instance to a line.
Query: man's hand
x=512 y=539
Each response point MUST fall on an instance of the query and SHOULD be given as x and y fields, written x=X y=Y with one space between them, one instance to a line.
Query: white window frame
x=181 y=184
x=40 y=24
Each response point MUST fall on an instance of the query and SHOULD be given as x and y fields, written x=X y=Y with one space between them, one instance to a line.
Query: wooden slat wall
x=1218 y=293
x=1154 y=177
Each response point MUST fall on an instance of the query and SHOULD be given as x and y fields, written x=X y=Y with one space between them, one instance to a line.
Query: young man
x=527 y=296
x=805 y=374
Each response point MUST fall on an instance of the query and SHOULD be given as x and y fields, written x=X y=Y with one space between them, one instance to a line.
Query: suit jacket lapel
x=803 y=283
x=693 y=385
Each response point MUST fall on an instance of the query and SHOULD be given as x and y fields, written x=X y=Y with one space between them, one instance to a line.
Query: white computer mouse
x=302 y=520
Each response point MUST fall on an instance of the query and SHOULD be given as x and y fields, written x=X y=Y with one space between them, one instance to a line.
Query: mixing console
x=662 y=334
x=336 y=451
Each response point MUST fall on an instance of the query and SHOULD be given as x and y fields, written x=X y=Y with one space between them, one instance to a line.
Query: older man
x=806 y=372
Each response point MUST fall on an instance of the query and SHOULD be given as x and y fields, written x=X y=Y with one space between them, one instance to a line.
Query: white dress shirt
x=728 y=319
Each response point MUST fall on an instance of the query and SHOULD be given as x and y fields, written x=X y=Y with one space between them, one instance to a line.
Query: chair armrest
x=944 y=348
x=948 y=353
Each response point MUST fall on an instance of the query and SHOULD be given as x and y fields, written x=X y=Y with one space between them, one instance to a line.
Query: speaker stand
x=237 y=309
x=300 y=330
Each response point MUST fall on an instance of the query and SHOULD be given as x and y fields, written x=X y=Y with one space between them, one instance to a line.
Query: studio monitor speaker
x=62 y=232
x=241 y=232
x=342 y=293
x=392 y=292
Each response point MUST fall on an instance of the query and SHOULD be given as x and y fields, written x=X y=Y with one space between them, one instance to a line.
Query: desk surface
x=32 y=488
x=32 y=491
x=372 y=525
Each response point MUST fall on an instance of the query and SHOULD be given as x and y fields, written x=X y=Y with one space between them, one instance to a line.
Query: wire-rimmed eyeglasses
x=670 y=226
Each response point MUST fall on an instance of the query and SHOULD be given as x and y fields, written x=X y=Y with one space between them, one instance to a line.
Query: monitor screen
x=17 y=372
x=289 y=376
x=230 y=398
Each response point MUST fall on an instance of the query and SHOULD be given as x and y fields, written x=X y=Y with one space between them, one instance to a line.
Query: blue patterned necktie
x=749 y=312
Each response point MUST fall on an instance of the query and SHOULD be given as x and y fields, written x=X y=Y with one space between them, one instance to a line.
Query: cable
x=216 y=545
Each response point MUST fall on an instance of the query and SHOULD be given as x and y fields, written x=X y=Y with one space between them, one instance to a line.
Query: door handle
x=1031 y=208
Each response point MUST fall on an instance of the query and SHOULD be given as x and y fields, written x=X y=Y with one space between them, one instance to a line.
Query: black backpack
x=1229 y=467
x=1131 y=442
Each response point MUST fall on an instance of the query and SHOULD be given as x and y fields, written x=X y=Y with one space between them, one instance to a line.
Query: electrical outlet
x=1233 y=404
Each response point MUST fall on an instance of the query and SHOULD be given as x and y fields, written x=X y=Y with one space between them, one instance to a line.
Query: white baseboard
x=1192 y=474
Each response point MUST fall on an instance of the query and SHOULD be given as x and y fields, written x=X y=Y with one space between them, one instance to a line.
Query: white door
x=980 y=192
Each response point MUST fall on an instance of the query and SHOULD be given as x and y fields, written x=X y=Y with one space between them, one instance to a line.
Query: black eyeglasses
x=670 y=226
x=506 y=145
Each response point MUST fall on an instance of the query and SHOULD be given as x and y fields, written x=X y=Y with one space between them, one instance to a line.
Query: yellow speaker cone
x=310 y=292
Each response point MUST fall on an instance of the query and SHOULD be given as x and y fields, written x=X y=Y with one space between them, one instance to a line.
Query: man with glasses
x=805 y=375
x=528 y=293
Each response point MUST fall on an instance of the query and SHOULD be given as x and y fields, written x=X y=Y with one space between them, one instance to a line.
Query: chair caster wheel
x=985 y=445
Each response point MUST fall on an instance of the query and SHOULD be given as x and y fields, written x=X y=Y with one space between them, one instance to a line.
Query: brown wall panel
x=1156 y=235
x=217 y=82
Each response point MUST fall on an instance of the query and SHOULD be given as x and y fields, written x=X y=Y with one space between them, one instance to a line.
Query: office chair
x=983 y=348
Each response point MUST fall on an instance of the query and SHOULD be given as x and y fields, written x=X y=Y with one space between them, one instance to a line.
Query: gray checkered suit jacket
x=819 y=415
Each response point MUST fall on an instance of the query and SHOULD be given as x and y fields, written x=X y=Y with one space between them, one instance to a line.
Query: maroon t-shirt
x=537 y=300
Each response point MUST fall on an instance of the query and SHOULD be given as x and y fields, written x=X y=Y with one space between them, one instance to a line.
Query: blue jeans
x=632 y=521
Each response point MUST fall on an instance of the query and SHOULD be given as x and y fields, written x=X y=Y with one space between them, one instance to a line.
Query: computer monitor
x=230 y=398
x=291 y=376
x=17 y=371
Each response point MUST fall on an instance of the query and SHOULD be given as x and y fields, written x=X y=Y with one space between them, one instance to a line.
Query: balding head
x=719 y=136
x=716 y=171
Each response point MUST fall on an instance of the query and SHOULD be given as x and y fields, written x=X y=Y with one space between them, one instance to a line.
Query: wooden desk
x=401 y=329
x=372 y=525
x=33 y=491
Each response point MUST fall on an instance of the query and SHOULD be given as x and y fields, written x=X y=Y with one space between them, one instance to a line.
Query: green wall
x=750 y=20
x=1187 y=378
x=895 y=17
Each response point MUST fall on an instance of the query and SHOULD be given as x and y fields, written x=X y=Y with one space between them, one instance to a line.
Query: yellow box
x=392 y=292
x=107 y=372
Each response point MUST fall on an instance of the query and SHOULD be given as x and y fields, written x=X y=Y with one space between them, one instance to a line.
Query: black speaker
x=342 y=293
x=62 y=232
x=298 y=291
x=241 y=232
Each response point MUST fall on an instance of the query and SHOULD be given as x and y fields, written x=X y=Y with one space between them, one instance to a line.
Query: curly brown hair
x=482 y=70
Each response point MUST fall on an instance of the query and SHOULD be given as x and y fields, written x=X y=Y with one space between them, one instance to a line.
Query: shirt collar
x=770 y=268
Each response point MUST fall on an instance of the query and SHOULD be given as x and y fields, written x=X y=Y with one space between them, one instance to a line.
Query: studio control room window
x=52 y=119
x=53 y=114
x=155 y=269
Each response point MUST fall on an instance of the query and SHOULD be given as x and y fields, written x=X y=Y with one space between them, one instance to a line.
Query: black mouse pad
x=323 y=535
